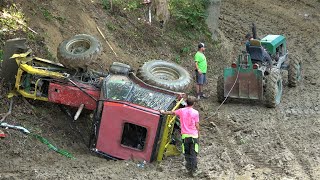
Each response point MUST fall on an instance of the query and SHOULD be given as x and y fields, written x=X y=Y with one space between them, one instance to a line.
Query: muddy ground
x=244 y=140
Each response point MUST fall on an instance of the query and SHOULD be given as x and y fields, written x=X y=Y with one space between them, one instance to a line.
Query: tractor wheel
x=79 y=51
x=294 y=72
x=220 y=89
x=273 y=89
x=164 y=74
x=120 y=68
x=9 y=67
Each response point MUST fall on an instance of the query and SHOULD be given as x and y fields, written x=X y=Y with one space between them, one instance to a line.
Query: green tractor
x=257 y=73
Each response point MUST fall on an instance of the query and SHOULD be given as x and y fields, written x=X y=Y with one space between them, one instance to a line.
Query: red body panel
x=73 y=96
x=114 y=116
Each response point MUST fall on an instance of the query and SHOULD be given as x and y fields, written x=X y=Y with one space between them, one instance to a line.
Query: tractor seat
x=256 y=53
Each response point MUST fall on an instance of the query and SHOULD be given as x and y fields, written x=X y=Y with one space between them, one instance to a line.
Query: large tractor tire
x=9 y=67
x=79 y=51
x=164 y=74
x=220 y=89
x=294 y=72
x=273 y=89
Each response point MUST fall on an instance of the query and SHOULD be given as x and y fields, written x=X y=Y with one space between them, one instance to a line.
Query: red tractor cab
x=128 y=123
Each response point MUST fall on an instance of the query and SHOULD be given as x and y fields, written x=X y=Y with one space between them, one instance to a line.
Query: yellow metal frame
x=167 y=149
x=23 y=67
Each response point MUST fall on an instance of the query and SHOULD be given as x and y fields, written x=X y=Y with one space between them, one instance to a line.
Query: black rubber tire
x=79 y=51
x=9 y=67
x=165 y=75
x=294 y=72
x=120 y=68
x=273 y=89
x=220 y=89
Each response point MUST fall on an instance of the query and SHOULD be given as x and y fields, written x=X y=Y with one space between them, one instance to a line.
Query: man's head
x=191 y=100
x=201 y=47
x=248 y=36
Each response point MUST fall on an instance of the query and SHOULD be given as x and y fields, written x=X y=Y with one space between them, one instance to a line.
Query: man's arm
x=198 y=128
x=166 y=112
x=197 y=67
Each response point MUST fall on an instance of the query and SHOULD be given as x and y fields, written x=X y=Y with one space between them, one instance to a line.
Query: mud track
x=272 y=143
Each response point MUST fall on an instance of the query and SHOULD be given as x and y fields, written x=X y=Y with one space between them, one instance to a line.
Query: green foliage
x=1 y=55
x=46 y=14
x=49 y=16
x=133 y=4
x=12 y=20
x=111 y=26
x=186 y=50
x=61 y=19
x=120 y=4
x=177 y=59
x=189 y=13
x=106 y=4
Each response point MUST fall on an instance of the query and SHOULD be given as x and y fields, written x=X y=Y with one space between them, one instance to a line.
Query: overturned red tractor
x=127 y=123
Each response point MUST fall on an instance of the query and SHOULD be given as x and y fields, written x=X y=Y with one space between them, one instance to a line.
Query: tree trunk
x=162 y=10
x=213 y=18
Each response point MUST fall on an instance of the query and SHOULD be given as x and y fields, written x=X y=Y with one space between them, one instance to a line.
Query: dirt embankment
x=244 y=140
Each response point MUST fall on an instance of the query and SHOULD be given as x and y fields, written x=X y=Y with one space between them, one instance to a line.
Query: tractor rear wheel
x=220 y=89
x=79 y=51
x=273 y=90
x=165 y=75
x=294 y=72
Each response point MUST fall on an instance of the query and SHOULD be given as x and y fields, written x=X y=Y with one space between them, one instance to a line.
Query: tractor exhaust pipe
x=254 y=31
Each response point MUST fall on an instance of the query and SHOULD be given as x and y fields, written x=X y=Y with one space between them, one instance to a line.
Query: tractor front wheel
x=273 y=89
x=294 y=72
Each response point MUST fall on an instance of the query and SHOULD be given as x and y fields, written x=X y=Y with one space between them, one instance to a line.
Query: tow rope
x=225 y=97
x=52 y=147
x=40 y=138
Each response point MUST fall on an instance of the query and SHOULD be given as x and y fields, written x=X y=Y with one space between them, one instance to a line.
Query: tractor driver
x=265 y=55
x=248 y=37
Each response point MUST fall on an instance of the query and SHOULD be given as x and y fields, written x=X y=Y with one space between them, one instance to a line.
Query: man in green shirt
x=201 y=70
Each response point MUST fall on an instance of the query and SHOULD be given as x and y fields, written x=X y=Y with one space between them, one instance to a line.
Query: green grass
x=111 y=26
x=131 y=5
x=105 y=4
x=46 y=14
x=177 y=59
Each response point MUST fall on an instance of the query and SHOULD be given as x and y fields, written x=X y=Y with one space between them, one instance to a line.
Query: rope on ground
x=216 y=111
x=40 y=138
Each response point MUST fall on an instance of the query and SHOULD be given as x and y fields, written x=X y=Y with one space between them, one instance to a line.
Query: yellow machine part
x=23 y=67
x=167 y=149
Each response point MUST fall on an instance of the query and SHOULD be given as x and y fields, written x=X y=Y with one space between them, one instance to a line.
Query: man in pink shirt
x=189 y=123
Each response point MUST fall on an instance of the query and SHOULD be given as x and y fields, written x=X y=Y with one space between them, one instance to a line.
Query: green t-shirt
x=202 y=61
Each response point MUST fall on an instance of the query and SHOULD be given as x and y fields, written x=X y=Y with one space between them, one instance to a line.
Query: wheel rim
x=165 y=73
x=279 y=91
x=78 y=46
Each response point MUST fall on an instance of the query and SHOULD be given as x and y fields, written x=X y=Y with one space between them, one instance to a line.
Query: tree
x=162 y=10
